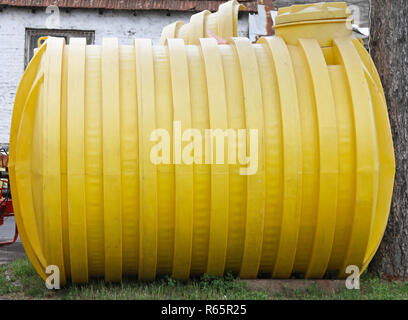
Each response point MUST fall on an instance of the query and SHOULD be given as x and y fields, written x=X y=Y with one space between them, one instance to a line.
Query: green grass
x=19 y=280
x=372 y=287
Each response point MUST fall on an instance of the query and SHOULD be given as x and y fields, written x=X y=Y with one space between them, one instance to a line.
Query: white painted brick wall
x=121 y=24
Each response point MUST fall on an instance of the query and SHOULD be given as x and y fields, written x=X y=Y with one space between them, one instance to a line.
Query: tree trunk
x=389 y=49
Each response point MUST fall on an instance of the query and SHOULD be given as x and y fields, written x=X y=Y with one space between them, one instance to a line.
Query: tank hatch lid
x=312 y=12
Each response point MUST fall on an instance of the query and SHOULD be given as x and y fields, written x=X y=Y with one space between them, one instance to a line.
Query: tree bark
x=389 y=49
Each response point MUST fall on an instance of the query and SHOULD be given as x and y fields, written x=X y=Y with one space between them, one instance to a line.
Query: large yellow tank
x=90 y=198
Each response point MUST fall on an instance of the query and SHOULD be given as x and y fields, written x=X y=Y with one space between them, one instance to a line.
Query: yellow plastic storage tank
x=89 y=198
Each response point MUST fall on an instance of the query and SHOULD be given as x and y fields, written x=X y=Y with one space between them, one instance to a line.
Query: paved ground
x=12 y=252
